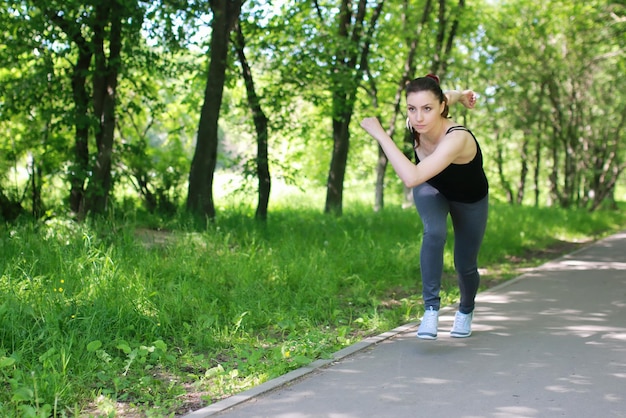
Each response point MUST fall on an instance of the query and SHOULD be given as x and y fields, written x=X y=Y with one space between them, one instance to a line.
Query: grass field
x=147 y=318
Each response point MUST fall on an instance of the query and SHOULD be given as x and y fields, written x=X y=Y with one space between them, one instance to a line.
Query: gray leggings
x=469 y=221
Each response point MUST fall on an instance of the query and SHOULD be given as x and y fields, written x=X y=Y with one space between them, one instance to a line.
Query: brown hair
x=430 y=83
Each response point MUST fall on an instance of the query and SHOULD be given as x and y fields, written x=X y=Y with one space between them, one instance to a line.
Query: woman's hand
x=373 y=127
x=468 y=99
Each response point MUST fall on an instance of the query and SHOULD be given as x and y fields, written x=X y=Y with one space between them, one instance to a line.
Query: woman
x=447 y=179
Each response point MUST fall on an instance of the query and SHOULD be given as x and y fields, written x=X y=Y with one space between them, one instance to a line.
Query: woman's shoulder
x=453 y=126
x=457 y=129
x=464 y=141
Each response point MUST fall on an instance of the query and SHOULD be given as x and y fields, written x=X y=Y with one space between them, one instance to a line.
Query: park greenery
x=189 y=206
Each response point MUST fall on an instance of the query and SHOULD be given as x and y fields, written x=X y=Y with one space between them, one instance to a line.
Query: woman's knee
x=436 y=232
x=468 y=270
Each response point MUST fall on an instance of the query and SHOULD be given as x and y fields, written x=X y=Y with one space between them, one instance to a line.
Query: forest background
x=201 y=116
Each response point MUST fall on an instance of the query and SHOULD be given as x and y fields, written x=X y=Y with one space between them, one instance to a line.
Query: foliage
x=549 y=118
x=553 y=107
x=155 y=134
x=113 y=313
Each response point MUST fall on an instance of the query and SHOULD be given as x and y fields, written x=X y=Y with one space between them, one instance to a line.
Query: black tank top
x=465 y=183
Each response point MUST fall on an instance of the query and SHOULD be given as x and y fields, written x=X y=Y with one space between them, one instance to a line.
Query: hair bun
x=433 y=76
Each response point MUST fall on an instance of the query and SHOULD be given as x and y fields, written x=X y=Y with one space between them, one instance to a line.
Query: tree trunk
x=521 y=186
x=539 y=146
x=341 y=146
x=441 y=34
x=607 y=165
x=104 y=91
x=80 y=165
x=200 y=191
x=537 y=170
x=379 y=190
x=349 y=66
x=451 y=35
x=504 y=183
x=443 y=43
x=260 y=124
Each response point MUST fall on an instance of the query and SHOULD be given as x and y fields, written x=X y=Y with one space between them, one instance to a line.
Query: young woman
x=447 y=179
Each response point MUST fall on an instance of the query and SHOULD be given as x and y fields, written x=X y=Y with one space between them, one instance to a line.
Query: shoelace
x=430 y=318
x=460 y=321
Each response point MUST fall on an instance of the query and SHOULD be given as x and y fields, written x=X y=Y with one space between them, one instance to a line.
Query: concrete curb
x=298 y=373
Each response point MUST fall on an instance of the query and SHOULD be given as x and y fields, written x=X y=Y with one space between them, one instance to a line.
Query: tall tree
x=97 y=33
x=446 y=34
x=349 y=60
x=200 y=191
x=82 y=115
x=260 y=123
x=107 y=32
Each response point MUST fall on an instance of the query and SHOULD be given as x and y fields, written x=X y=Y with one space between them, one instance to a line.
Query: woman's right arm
x=411 y=174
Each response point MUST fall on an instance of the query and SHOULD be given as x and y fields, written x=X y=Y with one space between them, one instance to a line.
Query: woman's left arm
x=466 y=97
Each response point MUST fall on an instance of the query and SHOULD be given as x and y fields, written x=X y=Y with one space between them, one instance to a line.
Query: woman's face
x=424 y=110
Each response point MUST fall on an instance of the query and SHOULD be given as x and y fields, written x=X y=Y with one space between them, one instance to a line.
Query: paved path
x=550 y=343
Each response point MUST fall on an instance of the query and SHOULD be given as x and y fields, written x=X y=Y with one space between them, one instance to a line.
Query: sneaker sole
x=456 y=335
x=426 y=337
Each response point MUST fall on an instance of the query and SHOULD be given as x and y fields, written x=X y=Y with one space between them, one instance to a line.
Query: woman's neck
x=435 y=134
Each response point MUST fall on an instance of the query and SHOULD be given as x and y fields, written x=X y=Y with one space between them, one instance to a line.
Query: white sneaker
x=462 y=327
x=428 y=327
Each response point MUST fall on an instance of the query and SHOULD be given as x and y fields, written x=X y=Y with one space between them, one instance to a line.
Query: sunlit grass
x=119 y=312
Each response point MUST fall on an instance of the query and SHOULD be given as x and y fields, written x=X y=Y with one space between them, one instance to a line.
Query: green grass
x=96 y=319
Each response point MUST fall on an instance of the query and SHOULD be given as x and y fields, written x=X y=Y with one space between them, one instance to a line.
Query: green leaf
x=6 y=362
x=94 y=345
x=123 y=345
x=159 y=344
x=22 y=394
